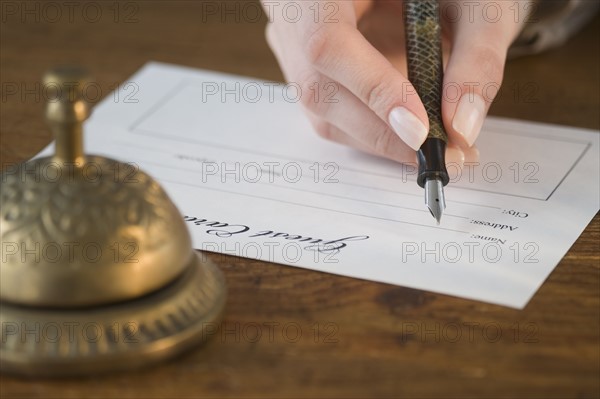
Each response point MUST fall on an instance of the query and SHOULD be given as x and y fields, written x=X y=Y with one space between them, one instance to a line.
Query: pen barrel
x=424 y=56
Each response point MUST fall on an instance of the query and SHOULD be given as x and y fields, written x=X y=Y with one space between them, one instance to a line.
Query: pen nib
x=434 y=198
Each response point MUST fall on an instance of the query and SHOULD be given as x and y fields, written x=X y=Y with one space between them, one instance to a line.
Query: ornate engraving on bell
x=98 y=272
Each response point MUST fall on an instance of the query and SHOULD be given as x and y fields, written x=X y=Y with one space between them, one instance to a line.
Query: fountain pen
x=425 y=72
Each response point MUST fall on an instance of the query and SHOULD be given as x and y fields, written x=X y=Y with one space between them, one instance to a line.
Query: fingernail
x=408 y=127
x=469 y=116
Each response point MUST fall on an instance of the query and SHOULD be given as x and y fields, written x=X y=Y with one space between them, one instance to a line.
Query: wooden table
x=359 y=338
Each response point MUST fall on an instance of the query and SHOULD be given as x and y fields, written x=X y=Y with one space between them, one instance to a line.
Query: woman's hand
x=354 y=51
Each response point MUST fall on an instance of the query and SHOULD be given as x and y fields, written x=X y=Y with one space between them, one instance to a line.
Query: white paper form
x=252 y=179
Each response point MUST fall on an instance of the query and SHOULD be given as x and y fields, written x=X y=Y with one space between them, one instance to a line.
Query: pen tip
x=434 y=198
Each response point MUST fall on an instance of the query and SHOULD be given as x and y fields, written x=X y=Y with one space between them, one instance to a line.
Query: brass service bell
x=98 y=272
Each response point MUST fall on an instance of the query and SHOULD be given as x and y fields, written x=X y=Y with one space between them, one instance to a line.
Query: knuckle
x=309 y=84
x=324 y=130
x=376 y=96
x=382 y=142
x=490 y=61
x=316 y=43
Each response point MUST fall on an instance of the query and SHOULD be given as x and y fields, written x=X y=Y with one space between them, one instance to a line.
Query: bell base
x=126 y=335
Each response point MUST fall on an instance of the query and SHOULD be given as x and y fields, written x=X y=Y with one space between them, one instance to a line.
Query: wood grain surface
x=290 y=332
